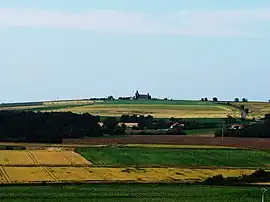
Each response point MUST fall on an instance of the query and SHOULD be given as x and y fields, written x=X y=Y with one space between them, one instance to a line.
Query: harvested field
x=250 y=143
x=125 y=174
x=58 y=158
x=156 y=110
x=28 y=174
x=41 y=157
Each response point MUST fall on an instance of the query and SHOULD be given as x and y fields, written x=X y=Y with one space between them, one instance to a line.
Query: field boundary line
x=50 y=172
x=5 y=174
x=32 y=157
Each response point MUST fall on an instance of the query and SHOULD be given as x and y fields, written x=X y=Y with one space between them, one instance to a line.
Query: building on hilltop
x=139 y=96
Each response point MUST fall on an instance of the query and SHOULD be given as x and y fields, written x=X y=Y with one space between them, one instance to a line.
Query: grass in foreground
x=125 y=192
x=117 y=156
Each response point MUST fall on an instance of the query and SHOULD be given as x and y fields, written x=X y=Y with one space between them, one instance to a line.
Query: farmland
x=256 y=109
x=123 y=192
x=119 y=156
x=156 y=108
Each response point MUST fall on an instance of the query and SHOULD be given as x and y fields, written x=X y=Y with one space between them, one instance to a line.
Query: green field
x=182 y=157
x=121 y=192
x=206 y=131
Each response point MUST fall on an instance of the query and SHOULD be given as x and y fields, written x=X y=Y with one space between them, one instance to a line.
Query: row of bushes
x=259 y=130
x=259 y=175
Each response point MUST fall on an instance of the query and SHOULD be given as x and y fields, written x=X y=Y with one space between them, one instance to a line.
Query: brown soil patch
x=250 y=143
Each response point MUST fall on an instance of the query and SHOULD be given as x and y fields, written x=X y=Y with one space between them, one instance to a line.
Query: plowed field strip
x=32 y=157
x=50 y=172
x=5 y=175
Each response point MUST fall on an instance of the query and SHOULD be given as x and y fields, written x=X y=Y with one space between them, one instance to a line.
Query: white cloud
x=191 y=23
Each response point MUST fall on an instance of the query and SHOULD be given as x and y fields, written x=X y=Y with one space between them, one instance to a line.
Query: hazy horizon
x=182 y=50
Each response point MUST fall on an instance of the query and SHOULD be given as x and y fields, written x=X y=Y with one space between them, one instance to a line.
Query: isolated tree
x=236 y=99
x=244 y=99
x=215 y=99
x=206 y=99
x=202 y=99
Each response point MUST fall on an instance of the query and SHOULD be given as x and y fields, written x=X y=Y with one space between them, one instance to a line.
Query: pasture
x=126 y=193
x=185 y=157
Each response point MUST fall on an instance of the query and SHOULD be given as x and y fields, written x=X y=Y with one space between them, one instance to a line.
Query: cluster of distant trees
x=47 y=127
x=259 y=175
x=259 y=129
x=149 y=122
x=215 y=99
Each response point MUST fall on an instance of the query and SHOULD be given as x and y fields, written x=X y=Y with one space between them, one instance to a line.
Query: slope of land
x=156 y=108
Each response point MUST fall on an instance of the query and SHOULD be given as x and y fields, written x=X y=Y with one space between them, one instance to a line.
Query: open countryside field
x=191 y=109
x=122 y=192
x=156 y=108
x=257 y=109
x=40 y=157
x=132 y=164
x=19 y=175
x=176 y=157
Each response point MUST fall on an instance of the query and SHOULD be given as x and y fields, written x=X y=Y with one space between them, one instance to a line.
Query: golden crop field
x=62 y=174
x=43 y=157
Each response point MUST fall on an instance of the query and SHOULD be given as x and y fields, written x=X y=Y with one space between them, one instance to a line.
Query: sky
x=180 y=49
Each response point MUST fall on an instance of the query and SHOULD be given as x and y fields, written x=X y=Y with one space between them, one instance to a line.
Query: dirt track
x=252 y=143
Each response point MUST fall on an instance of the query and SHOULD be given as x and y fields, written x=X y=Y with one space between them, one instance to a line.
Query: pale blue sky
x=188 y=49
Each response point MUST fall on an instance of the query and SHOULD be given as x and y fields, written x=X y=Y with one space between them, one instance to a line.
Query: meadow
x=125 y=192
x=181 y=157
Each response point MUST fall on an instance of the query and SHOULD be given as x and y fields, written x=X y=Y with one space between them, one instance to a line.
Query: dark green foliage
x=259 y=130
x=49 y=127
x=129 y=193
x=111 y=127
x=259 y=175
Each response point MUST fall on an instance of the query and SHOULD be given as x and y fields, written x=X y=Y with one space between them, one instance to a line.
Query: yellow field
x=62 y=174
x=43 y=157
